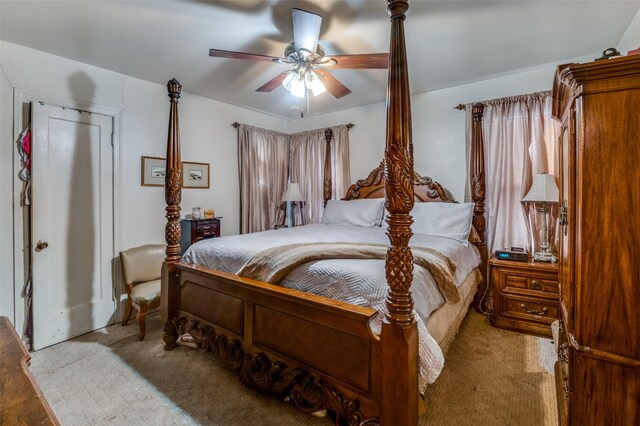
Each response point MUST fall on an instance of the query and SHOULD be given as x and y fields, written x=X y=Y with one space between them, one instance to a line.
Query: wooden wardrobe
x=598 y=369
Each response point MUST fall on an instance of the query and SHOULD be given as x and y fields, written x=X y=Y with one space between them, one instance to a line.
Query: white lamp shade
x=293 y=193
x=543 y=190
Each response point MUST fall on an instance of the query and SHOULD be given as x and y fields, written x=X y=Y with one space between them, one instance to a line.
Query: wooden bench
x=21 y=400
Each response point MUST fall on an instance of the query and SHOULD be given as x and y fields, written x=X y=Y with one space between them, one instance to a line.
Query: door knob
x=41 y=245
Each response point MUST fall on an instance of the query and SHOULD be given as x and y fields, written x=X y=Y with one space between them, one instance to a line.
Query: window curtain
x=308 y=154
x=263 y=161
x=520 y=141
x=340 y=170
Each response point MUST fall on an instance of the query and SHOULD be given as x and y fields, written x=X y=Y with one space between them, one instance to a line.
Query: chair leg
x=128 y=312
x=142 y=313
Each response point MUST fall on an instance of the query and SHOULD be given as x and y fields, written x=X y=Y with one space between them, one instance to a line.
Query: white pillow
x=354 y=212
x=452 y=220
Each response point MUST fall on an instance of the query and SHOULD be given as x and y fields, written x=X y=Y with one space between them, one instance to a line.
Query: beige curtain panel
x=520 y=141
x=263 y=162
x=308 y=154
x=341 y=172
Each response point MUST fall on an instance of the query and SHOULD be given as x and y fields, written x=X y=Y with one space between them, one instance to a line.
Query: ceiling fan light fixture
x=295 y=84
x=313 y=82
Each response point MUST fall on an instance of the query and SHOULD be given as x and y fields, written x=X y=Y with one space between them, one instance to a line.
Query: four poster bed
x=321 y=352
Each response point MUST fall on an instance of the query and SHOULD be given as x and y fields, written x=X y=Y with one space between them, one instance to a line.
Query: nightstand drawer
x=528 y=309
x=527 y=281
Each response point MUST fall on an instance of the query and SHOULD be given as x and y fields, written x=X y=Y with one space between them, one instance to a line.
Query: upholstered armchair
x=142 y=268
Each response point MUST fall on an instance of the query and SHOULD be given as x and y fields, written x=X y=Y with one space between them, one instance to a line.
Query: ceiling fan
x=308 y=60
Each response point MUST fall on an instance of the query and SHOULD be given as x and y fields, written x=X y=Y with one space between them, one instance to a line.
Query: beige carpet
x=494 y=377
x=491 y=377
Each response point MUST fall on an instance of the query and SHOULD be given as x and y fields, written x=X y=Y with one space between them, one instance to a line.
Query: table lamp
x=543 y=191
x=293 y=194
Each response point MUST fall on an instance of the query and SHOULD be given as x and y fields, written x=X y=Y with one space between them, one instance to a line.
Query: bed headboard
x=424 y=188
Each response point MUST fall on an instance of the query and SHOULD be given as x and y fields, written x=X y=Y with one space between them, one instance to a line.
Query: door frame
x=20 y=97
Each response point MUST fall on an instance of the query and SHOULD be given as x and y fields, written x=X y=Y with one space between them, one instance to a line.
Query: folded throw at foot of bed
x=273 y=264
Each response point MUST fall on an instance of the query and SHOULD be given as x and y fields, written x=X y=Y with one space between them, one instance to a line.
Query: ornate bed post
x=326 y=190
x=478 y=189
x=173 y=196
x=399 y=336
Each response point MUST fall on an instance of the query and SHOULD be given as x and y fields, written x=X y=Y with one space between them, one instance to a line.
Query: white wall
x=206 y=136
x=6 y=208
x=438 y=129
x=631 y=38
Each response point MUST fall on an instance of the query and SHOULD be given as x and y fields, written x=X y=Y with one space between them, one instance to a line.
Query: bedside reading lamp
x=543 y=191
x=293 y=194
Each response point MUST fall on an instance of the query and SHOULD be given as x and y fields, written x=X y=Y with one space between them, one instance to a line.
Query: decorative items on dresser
x=525 y=295
x=194 y=230
x=598 y=369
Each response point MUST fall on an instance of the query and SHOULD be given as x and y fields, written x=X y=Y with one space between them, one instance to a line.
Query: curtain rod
x=235 y=125
x=462 y=107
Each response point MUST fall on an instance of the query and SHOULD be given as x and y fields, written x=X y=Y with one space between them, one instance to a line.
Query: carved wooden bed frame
x=285 y=342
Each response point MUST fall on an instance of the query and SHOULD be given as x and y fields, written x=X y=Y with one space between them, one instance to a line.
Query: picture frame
x=195 y=175
x=153 y=170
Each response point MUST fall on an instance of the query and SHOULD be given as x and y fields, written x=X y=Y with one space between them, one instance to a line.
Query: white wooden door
x=72 y=223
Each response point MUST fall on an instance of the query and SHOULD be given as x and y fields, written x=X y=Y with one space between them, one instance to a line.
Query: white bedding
x=359 y=282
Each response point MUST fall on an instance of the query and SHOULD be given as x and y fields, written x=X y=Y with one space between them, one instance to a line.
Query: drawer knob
x=541 y=313
x=535 y=285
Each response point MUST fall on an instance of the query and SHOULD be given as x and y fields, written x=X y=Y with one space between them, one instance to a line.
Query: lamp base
x=542 y=256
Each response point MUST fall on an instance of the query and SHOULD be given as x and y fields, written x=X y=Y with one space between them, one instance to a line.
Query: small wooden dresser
x=525 y=295
x=194 y=230
x=21 y=400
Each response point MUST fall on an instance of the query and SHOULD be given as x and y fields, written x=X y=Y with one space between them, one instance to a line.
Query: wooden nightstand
x=525 y=295
x=194 y=230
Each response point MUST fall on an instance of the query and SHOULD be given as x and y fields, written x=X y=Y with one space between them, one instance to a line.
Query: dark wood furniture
x=525 y=295
x=21 y=400
x=598 y=369
x=319 y=351
x=194 y=230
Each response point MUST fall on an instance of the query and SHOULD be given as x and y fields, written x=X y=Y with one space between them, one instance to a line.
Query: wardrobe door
x=567 y=216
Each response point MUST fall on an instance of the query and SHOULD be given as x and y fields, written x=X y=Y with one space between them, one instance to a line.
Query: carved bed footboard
x=317 y=351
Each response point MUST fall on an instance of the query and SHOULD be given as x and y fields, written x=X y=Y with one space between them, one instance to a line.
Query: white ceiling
x=449 y=42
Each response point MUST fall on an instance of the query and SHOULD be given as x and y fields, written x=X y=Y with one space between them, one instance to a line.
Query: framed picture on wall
x=195 y=175
x=153 y=171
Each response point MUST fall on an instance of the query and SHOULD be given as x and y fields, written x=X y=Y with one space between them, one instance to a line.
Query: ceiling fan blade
x=217 y=53
x=273 y=83
x=332 y=85
x=306 y=31
x=360 y=61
